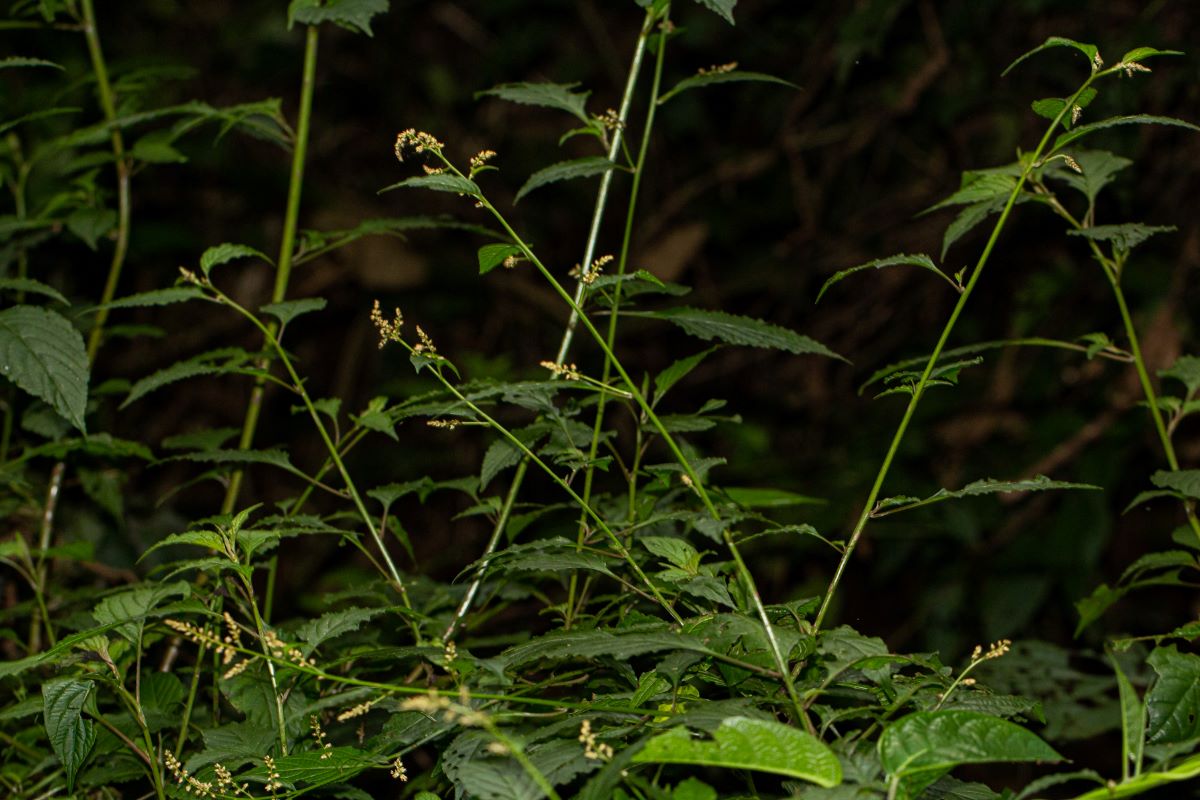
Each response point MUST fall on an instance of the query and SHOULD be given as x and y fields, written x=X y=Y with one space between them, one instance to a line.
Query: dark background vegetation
x=755 y=195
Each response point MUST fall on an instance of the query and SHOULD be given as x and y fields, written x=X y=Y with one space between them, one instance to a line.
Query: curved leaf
x=224 y=253
x=718 y=76
x=43 y=354
x=735 y=329
x=32 y=287
x=939 y=740
x=71 y=736
x=439 y=182
x=565 y=171
x=1089 y=50
x=1112 y=122
x=547 y=95
x=919 y=260
x=747 y=743
x=1184 y=481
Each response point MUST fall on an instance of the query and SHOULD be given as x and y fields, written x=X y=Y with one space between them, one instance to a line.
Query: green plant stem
x=568 y=336
x=622 y=265
x=918 y=391
x=1112 y=271
x=190 y=701
x=260 y=627
x=330 y=447
x=122 y=166
x=287 y=246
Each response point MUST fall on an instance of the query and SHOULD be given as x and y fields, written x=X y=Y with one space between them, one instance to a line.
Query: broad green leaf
x=721 y=76
x=500 y=455
x=1132 y=119
x=934 y=741
x=1142 y=53
x=1173 y=702
x=1050 y=107
x=478 y=773
x=89 y=224
x=274 y=458
x=676 y=551
x=353 y=15
x=1186 y=369
x=1143 y=783
x=43 y=354
x=223 y=361
x=224 y=253
x=129 y=608
x=1184 y=481
x=31 y=286
x=288 y=310
x=738 y=330
x=565 y=170
x=548 y=95
x=208 y=539
x=1089 y=50
x=1123 y=237
x=71 y=736
x=335 y=623
x=1164 y=559
x=157 y=297
x=440 y=182
x=978 y=186
x=944 y=374
x=1092 y=607
x=15 y=62
x=1100 y=168
x=747 y=743
x=493 y=255
x=315 y=243
x=1039 y=483
x=722 y=8
x=968 y=219
x=920 y=260
x=555 y=555
x=561 y=646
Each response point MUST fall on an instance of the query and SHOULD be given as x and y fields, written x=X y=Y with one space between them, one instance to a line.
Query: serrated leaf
x=564 y=645
x=224 y=253
x=1185 y=771
x=354 y=15
x=274 y=458
x=288 y=310
x=43 y=354
x=1089 y=50
x=1099 y=169
x=1124 y=237
x=1039 y=483
x=1186 y=369
x=89 y=224
x=739 y=330
x=156 y=297
x=934 y=741
x=22 y=62
x=556 y=555
x=1051 y=107
x=70 y=735
x=1173 y=702
x=547 y=95
x=441 y=182
x=716 y=76
x=31 y=286
x=493 y=255
x=676 y=372
x=1184 y=481
x=722 y=8
x=747 y=743
x=1142 y=53
x=565 y=170
x=1133 y=119
x=128 y=609
x=754 y=497
x=335 y=623
x=43 y=113
x=919 y=260
x=479 y=773
x=223 y=361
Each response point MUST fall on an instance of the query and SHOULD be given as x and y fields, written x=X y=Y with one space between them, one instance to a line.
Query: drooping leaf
x=919 y=260
x=224 y=253
x=968 y=219
x=353 y=15
x=934 y=741
x=556 y=555
x=565 y=170
x=1089 y=50
x=1187 y=370
x=722 y=8
x=129 y=608
x=560 y=646
x=1038 y=483
x=157 y=297
x=31 y=286
x=747 y=743
x=1123 y=237
x=1133 y=119
x=716 y=76
x=71 y=736
x=1173 y=702
x=335 y=623
x=440 y=182
x=41 y=113
x=43 y=354
x=548 y=95
x=1092 y=607
x=493 y=255
x=223 y=361
x=288 y=310
x=739 y=330
x=1184 y=481
x=274 y=458
x=23 y=62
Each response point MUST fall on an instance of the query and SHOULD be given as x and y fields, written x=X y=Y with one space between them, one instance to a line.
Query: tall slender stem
x=1031 y=163
x=121 y=164
x=287 y=247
